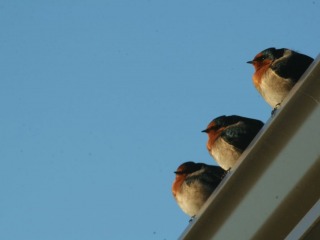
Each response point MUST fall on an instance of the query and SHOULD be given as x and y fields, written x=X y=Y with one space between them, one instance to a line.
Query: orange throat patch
x=258 y=75
x=177 y=183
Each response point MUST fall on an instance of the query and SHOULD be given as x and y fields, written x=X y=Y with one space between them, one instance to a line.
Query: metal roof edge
x=276 y=180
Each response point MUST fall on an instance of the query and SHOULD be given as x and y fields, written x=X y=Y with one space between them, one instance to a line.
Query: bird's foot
x=275 y=109
x=226 y=173
x=192 y=218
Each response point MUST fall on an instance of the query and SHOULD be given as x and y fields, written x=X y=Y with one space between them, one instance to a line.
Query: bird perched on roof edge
x=193 y=185
x=277 y=71
x=229 y=136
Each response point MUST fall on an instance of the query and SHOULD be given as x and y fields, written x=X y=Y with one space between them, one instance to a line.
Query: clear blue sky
x=102 y=100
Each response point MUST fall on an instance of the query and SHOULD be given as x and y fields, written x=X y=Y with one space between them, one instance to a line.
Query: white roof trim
x=276 y=180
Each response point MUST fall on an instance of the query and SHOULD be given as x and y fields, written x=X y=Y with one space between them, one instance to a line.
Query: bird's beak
x=206 y=130
x=250 y=62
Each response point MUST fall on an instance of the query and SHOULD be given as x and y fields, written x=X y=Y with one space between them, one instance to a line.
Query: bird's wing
x=292 y=67
x=212 y=176
x=216 y=171
x=240 y=135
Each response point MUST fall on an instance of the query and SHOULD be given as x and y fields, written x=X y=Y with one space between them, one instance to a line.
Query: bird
x=229 y=136
x=276 y=72
x=193 y=184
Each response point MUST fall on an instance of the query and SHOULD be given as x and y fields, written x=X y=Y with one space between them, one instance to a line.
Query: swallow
x=193 y=184
x=229 y=136
x=276 y=72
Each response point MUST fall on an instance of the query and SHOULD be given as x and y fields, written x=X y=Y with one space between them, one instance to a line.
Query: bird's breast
x=192 y=196
x=225 y=154
x=274 y=88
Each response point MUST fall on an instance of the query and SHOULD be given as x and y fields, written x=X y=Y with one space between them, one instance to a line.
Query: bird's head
x=220 y=123
x=181 y=174
x=266 y=57
x=187 y=168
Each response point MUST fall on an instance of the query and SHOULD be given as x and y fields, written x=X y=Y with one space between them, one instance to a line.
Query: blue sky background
x=102 y=100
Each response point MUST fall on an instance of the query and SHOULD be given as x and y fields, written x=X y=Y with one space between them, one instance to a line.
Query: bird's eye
x=214 y=128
